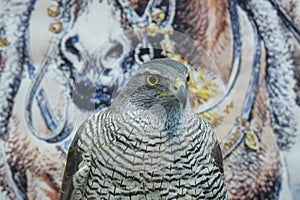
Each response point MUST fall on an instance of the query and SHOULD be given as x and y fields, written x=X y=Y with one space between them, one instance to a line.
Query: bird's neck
x=160 y=117
x=174 y=120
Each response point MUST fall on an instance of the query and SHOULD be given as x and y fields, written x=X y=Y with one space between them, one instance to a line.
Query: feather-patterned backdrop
x=61 y=61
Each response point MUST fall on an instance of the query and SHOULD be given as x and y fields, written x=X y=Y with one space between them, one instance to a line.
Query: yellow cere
x=179 y=82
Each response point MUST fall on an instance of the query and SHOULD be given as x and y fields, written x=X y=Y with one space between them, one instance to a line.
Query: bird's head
x=158 y=82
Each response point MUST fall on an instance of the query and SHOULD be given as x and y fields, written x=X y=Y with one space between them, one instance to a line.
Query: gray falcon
x=147 y=145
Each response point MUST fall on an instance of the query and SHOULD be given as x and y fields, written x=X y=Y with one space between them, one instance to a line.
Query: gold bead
x=56 y=27
x=4 y=42
x=53 y=10
x=251 y=140
x=157 y=15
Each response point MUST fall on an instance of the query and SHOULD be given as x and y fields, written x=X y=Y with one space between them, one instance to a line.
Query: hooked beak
x=180 y=91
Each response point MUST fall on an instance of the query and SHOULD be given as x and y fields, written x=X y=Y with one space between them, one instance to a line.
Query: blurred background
x=61 y=61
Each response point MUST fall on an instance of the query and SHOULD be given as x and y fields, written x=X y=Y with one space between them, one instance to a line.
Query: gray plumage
x=147 y=145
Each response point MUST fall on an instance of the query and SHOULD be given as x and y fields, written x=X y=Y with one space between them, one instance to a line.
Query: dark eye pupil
x=152 y=79
x=188 y=78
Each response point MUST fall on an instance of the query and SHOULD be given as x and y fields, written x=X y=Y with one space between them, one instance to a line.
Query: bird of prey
x=147 y=145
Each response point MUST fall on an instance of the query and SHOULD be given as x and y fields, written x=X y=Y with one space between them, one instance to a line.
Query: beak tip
x=181 y=95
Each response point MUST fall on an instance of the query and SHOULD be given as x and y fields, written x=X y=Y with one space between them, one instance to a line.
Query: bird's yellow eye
x=189 y=79
x=152 y=80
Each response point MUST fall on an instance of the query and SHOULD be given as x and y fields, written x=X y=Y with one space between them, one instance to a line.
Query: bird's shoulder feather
x=79 y=154
x=215 y=149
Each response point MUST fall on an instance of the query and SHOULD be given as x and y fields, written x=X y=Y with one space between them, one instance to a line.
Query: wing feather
x=73 y=165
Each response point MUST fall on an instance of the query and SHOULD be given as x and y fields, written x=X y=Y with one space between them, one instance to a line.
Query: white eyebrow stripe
x=152 y=71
